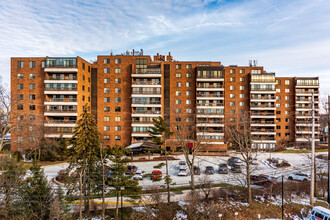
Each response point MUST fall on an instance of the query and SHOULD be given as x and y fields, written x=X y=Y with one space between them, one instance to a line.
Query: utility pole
x=313 y=154
x=282 y=198
x=328 y=119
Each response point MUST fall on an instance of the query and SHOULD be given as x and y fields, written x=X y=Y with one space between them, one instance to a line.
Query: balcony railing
x=147 y=92
x=146 y=112
x=146 y=83
x=210 y=104
x=61 y=122
x=210 y=86
x=263 y=106
x=61 y=100
x=262 y=114
x=147 y=103
x=262 y=122
x=148 y=71
x=60 y=110
x=62 y=78
x=262 y=130
x=61 y=89
x=210 y=95
x=306 y=92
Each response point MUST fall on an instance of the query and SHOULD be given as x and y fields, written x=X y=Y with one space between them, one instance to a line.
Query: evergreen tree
x=159 y=133
x=36 y=195
x=85 y=155
x=118 y=178
x=61 y=208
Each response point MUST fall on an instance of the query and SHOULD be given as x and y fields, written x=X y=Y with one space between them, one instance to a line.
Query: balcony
x=61 y=100
x=60 y=123
x=61 y=77
x=210 y=105
x=149 y=72
x=61 y=88
x=60 y=112
x=145 y=83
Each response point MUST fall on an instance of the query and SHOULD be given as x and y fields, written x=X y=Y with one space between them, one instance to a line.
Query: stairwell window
x=117 y=70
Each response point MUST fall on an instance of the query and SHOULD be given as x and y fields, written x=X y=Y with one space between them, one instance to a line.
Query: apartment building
x=197 y=99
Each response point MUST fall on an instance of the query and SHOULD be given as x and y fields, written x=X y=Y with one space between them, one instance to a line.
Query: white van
x=320 y=213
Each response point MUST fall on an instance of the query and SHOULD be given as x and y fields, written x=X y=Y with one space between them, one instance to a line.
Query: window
x=287 y=112
x=106 y=109
x=178 y=75
x=20 y=86
x=278 y=127
x=117 y=118
x=178 y=84
x=232 y=119
x=287 y=127
x=232 y=71
x=232 y=95
x=89 y=99
x=117 y=109
x=287 y=97
x=278 y=119
x=83 y=66
x=278 y=90
x=232 y=111
x=117 y=70
x=106 y=90
x=278 y=82
x=178 y=110
x=278 y=134
x=83 y=88
x=106 y=137
x=242 y=79
x=278 y=112
x=84 y=77
x=287 y=90
x=232 y=79
x=287 y=105
x=188 y=110
x=178 y=93
x=188 y=93
x=106 y=128
x=242 y=96
x=287 y=119
x=241 y=88
x=241 y=103
x=32 y=117
x=118 y=80
x=106 y=70
x=178 y=66
x=232 y=103
x=89 y=79
x=232 y=87
x=106 y=80
x=19 y=107
x=83 y=98
x=19 y=139
x=117 y=137
x=106 y=61
x=43 y=64
x=106 y=99
x=188 y=102
x=188 y=66
x=117 y=99
x=287 y=82
x=89 y=69
x=117 y=128
x=178 y=102
x=106 y=118
x=188 y=75
x=118 y=61
x=20 y=64
x=32 y=107
x=32 y=97
x=117 y=90
x=32 y=76
x=188 y=84
x=278 y=105
x=287 y=134
x=20 y=118
x=278 y=97
x=20 y=76
x=32 y=64
x=242 y=71
x=20 y=97
x=32 y=86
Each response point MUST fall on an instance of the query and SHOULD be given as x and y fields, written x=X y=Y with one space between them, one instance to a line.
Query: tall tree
x=6 y=124
x=118 y=178
x=85 y=154
x=160 y=133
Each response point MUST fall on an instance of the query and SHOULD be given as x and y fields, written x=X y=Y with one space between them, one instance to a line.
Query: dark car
x=131 y=169
x=235 y=168
x=197 y=170
x=262 y=180
x=209 y=170
x=233 y=160
x=223 y=168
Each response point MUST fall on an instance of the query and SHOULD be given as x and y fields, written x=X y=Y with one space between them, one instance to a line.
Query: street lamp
x=236 y=214
x=220 y=216
x=121 y=194
x=259 y=216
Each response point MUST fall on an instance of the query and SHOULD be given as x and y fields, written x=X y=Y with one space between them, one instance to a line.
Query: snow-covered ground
x=299 y=162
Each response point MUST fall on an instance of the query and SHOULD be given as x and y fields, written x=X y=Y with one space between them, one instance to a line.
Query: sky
x=290 y=38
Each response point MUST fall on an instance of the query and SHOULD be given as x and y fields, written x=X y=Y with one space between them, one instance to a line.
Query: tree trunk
x=103 y=184
x=192 y=176
x=116 y=217
x=248 y=180
x=81 y=196
x=167 y=182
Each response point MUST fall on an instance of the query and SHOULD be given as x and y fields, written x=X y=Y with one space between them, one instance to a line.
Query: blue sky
x=291 y=38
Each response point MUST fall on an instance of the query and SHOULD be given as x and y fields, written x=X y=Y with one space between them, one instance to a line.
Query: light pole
x=220 y=216
x=236 y=214
x=282 y=199
x=259 y=216
x=121 y=194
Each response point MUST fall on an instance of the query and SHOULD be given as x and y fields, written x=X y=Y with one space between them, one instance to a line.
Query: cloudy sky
x=291 y=38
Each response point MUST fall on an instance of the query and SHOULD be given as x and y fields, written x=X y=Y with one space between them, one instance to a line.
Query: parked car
x=155 y=174
x=209 y=170
x=182 y=165
x=299 y=176
x=235 y=168
x=182 y=172
x=131 y=169
x=197 y=170
x=262 y=180
x=139 y=174
x=233 y=160
x=320 y=212
x=223 y=168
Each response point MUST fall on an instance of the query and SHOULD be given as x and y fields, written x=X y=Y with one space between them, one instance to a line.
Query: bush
x=17 y=155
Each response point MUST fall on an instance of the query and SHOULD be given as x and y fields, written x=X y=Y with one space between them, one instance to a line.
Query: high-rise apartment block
x=197 y=99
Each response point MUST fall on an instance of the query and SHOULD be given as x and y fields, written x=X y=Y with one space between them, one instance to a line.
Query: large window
x=61 y=62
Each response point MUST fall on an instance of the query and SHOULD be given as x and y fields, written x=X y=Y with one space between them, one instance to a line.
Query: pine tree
x=85 y=155
x=118 y=178
x=159 y=133
x=61 y=208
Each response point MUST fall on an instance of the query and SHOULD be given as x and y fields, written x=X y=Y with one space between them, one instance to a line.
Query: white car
x=182 y=172
x=182 y=165
x=299 y=177
x=139 y=174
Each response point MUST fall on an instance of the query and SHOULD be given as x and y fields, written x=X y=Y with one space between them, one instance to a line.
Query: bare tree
x=5 y=115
